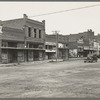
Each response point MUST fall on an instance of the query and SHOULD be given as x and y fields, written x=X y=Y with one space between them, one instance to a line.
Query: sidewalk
x=71 y=59
x=23 y=63
x=39 y=62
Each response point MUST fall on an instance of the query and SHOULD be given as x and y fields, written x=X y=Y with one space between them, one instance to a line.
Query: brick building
x=56 y=46
x=50 y=46
x=81 y=44
x=22 y=40
x=97 y=44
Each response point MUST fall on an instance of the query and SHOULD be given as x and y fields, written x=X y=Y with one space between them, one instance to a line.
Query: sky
x=71 y=22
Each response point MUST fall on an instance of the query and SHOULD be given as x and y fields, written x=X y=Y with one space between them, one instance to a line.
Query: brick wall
x=12 y=34
x=61 y=38
x=15 y=23
x=22 y=24
x=72 y=45
x=88 y=38
x=50 y=38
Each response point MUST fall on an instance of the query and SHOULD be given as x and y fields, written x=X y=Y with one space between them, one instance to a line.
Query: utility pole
x=98 y=44
x=25 y=43
x=56 y=33
x=1 y=41
x=25 y=37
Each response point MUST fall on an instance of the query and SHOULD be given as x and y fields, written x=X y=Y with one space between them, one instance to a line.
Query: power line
x=66 y=10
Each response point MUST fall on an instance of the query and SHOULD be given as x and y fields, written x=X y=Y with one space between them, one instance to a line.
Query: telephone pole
x=1 y=42
x=98 y=45
x=56 y=33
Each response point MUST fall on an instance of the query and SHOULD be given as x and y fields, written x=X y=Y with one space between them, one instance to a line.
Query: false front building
x=56 y=47
x=81 y=44
x=22 y=40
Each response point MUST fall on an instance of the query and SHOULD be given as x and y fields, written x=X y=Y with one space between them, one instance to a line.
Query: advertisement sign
x=86 y=47
x=80 y=41
x=80 y=46
x=50 y=50
x=60 y=45
x=50 y=43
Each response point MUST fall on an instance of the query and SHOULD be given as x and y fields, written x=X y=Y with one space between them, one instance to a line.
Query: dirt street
x=61 y=79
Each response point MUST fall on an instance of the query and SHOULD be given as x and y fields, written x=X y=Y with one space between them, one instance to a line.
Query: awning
x=17 y=48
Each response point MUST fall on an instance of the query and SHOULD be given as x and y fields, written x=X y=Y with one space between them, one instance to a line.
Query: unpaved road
x=62 y=79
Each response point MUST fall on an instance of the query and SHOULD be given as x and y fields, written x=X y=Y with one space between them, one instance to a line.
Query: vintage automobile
x=91 y=59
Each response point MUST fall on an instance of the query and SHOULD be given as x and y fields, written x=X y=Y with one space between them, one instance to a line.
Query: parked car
x=98 y=56
x=91 y=59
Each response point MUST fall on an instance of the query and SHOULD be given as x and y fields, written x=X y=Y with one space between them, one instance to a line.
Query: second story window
x=39 y=33
x=30 y=46
x=29 y=32
x=4 y=44
x=12 y=44
x=46 y=46
x=34 y=33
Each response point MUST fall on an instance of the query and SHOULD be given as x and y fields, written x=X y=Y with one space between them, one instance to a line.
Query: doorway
x=12 y=56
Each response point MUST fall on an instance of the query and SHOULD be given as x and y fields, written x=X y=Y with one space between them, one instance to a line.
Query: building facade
x=97 y=44
x=56 y=47
x=22 y=40
x=81 y=44
x=50 y=47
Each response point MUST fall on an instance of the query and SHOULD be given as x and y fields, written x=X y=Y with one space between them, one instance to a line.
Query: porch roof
x=19 y=48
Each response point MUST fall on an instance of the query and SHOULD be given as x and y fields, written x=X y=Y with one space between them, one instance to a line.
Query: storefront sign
x=80 y=41
x=50 y=50
x=86 y=47
x=60 y=45
x=50 y=43
x=80 y=46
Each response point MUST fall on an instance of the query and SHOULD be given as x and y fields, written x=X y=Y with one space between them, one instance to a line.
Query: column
x=26 y=31
x=32 y=32
x=37 y=33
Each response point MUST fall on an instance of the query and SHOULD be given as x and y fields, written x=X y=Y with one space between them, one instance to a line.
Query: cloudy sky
x=70 y=22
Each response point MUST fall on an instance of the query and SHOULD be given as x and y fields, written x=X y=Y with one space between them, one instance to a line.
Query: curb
x=39 y=62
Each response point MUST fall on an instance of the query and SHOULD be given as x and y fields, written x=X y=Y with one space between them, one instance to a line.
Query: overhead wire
x=65 y=10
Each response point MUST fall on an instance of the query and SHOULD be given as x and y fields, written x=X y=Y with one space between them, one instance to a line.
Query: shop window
x=4 y=44
x=40 y=46
x=12 y=44
x=30 y=46
x=35 y=46
x=50 y=47
x=20 y=56
x=30 y=55
x=20 y=44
